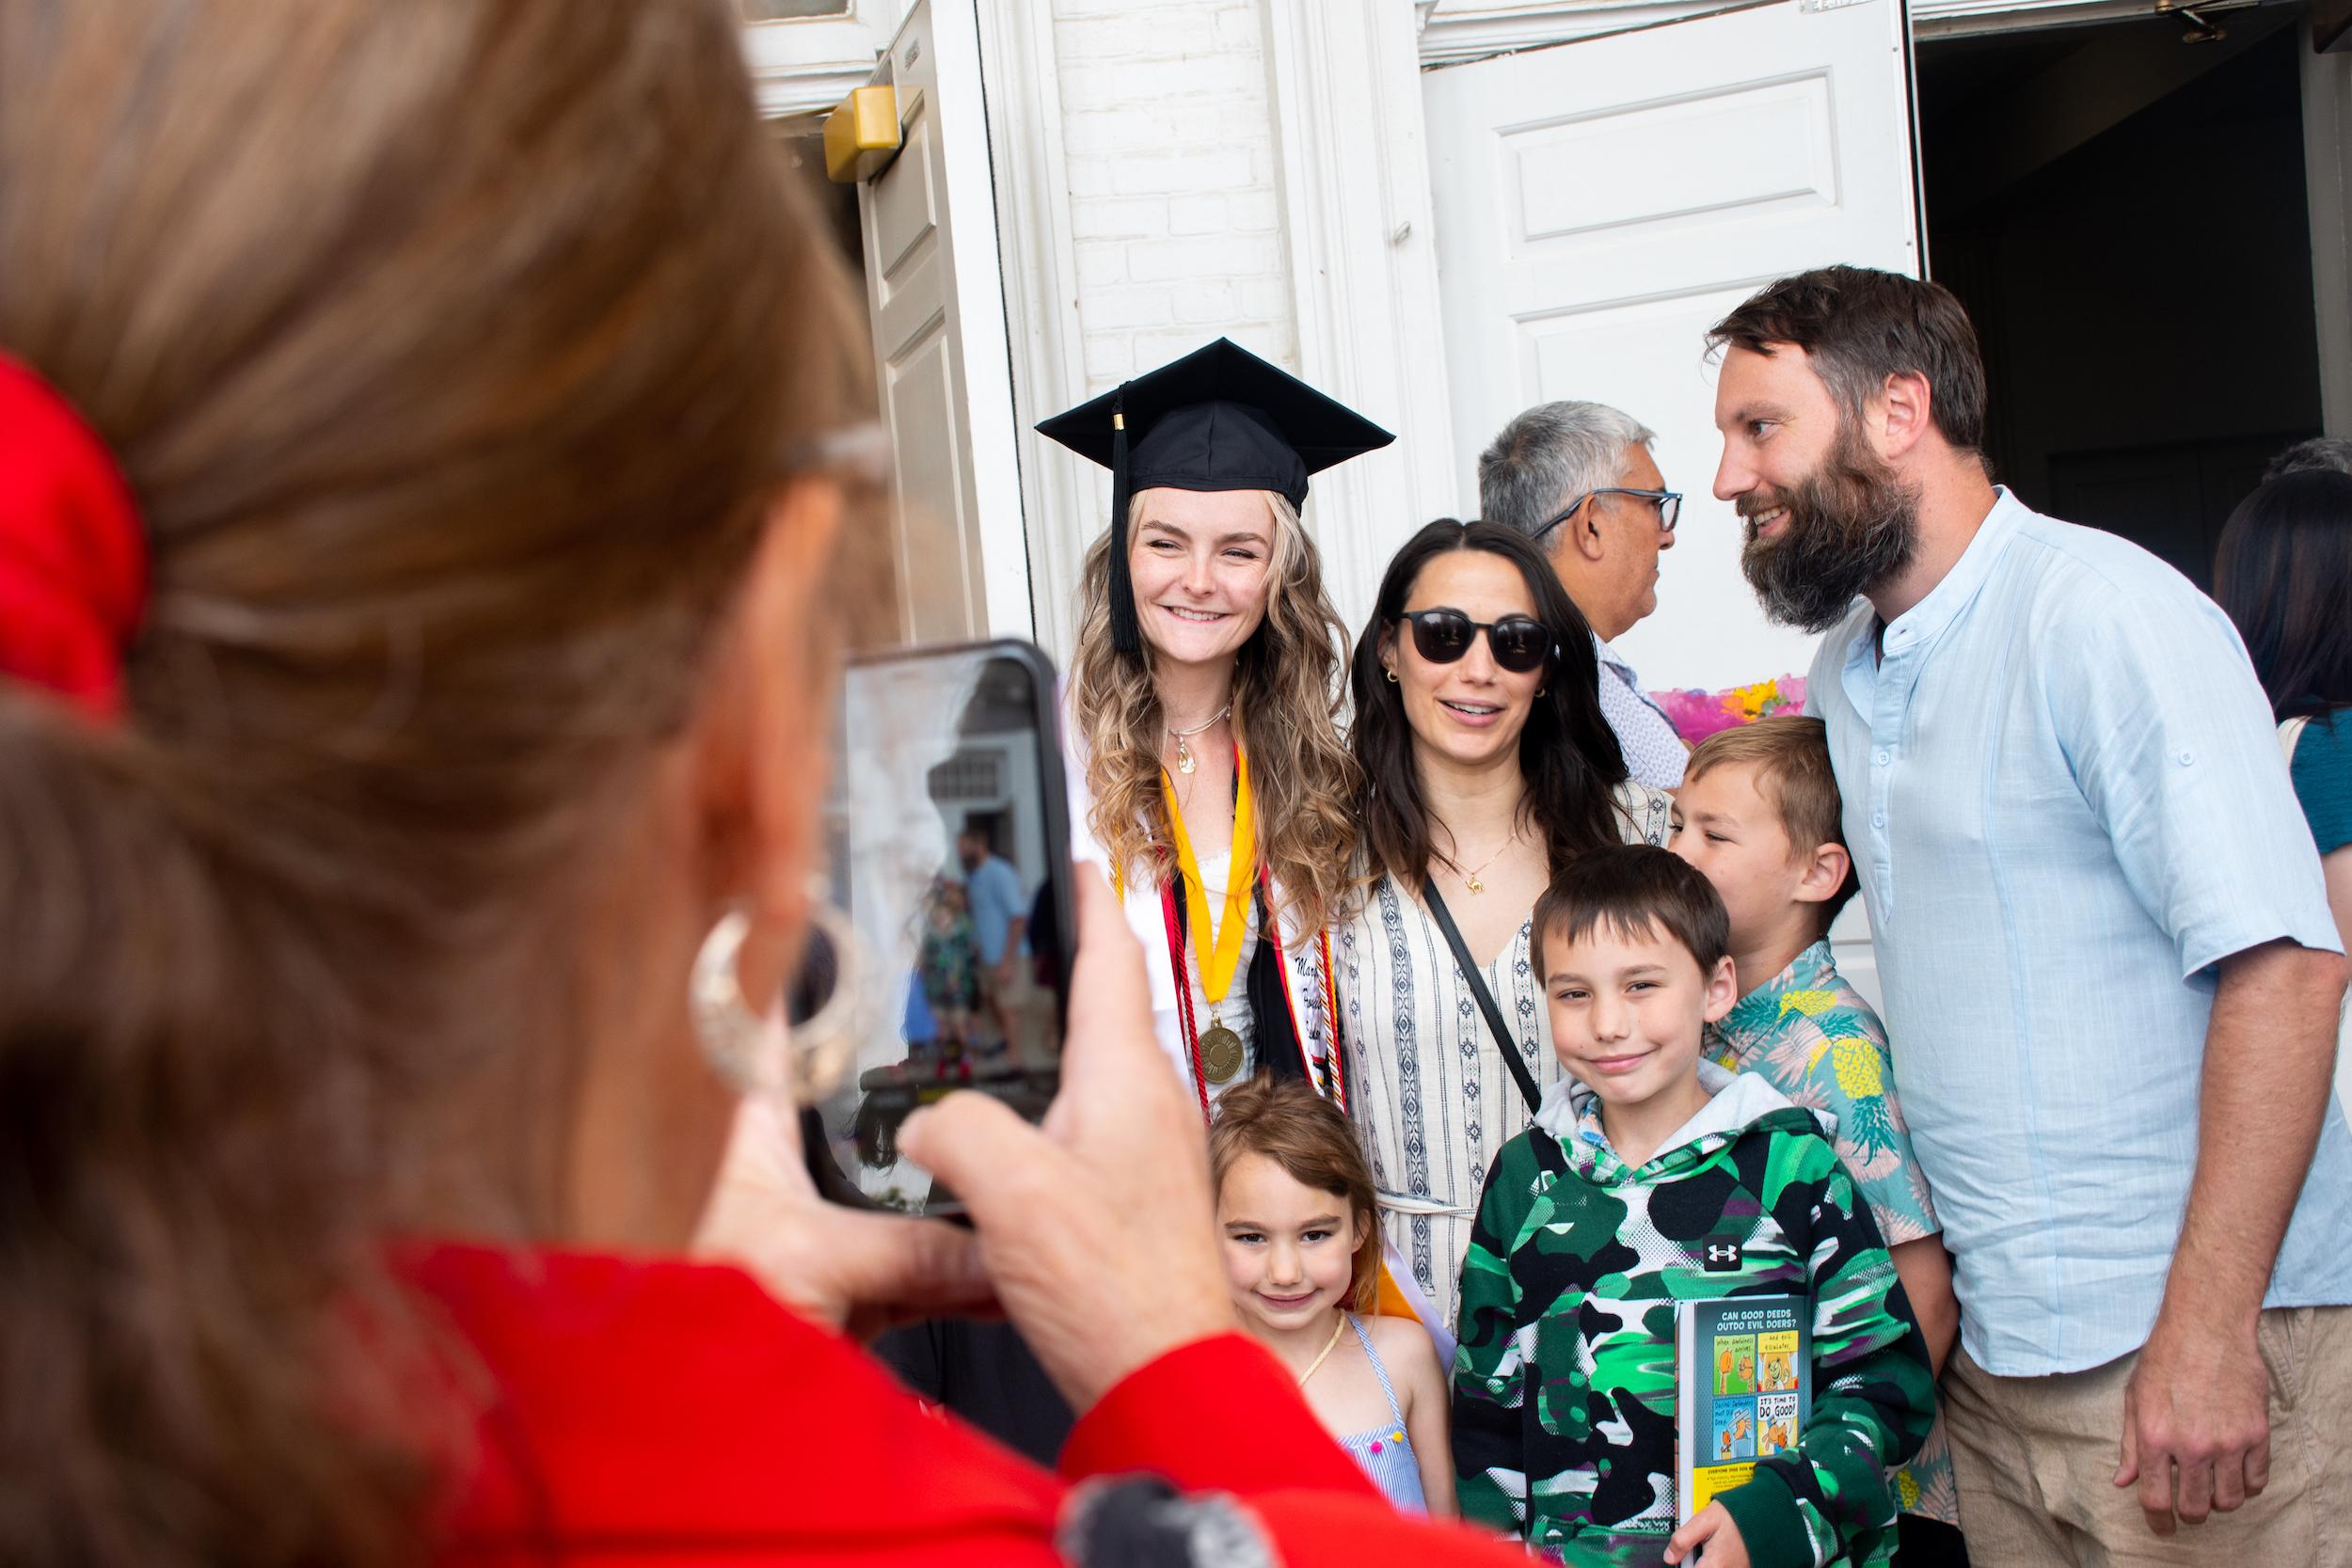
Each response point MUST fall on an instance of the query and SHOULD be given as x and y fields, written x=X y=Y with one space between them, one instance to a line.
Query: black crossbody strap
x=1487 y=1004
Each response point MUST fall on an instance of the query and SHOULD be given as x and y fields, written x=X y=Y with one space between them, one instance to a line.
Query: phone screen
x=949 y=846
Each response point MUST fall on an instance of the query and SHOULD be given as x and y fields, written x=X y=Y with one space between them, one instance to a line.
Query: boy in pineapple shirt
x=1758 y=815
x=1667 y=1178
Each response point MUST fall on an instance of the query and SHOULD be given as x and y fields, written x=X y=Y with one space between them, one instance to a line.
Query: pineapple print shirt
x=1812 y=1036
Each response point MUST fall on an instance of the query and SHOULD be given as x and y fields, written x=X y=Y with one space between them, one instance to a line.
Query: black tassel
x=1126 y=631
x=1280 y=1050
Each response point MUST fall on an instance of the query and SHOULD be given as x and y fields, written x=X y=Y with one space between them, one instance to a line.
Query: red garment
x=659 y=1412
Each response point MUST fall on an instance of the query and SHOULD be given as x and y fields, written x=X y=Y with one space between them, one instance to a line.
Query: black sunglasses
x=1519 y=643
x=1669 y=504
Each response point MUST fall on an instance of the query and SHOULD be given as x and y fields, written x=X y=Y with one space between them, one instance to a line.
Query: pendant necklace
x=1185 y=763
x=1327 y=1346
x=1470 y=879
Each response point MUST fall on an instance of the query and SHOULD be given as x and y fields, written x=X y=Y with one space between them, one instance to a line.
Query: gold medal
x=1221 y=1054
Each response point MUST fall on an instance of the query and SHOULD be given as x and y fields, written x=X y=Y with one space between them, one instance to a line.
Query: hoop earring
x=748 y=1047
x=1392 y=669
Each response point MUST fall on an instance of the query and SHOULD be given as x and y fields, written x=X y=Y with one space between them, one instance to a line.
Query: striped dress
x=1427 y=1087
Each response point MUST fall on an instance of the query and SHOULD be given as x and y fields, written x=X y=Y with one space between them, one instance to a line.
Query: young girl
x=1302 y=1253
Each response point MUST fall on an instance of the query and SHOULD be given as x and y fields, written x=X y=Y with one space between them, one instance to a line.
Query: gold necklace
x=1185 y=763
x=1327 y=1347
x=1470 y=879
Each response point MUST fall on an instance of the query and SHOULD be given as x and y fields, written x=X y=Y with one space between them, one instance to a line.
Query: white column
x=1354 y=179
x=1022 y=71
x=2327 y=181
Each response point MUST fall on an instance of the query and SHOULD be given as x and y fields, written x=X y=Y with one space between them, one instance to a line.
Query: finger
x=2127 y=1465
x=985 y=1153
x=2228 y=1483
x=1110 y=1057
x=897 y=1270
x=2156 y=1489
x=2194 y=1490
x=1107 y=988
x=1693 y=1534
x=2258 y=1462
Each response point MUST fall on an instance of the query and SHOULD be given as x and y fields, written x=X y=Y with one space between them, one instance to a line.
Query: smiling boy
x=1647 y=1178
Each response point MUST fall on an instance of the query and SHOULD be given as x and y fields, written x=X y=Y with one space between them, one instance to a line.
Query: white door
x=1601 y=203
x=957 y=555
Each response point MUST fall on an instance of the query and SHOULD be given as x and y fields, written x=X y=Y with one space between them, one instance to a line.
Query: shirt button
x=1881 y=758
x=2185 y=758
x=1878 y=820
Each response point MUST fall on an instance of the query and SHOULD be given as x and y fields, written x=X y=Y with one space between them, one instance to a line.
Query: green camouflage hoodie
x=1564 y=1388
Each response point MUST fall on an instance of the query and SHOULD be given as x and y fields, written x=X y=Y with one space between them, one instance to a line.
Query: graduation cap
x=1219 y=418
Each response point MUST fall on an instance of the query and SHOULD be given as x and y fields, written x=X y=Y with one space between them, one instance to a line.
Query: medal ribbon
x=1219 y=955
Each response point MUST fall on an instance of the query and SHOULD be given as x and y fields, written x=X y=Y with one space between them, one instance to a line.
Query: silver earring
x=746 y=1046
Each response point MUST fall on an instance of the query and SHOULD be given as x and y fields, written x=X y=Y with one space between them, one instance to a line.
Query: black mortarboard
x=1219 y=418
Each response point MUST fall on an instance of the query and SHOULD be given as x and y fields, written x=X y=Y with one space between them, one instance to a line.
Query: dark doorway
x=2123 y=214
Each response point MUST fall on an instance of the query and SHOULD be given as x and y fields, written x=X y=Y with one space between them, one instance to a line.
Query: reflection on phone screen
x=942 y=848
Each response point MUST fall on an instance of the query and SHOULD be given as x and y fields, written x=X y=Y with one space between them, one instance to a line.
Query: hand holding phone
x=1100 y=1235
x=951 y=846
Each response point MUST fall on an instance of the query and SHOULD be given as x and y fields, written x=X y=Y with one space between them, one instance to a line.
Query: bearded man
x=2111 y=977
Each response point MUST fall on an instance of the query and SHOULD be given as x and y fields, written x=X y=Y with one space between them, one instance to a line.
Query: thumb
x=988 y=1156
x=1690 y=1535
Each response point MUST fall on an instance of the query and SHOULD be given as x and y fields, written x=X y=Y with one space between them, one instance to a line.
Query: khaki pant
x=2035 y=1458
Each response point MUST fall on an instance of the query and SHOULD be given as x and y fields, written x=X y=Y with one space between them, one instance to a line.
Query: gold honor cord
x=1218 y=950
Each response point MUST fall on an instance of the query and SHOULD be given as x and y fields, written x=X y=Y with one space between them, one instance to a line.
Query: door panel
x=958 y=564
x=1601 y=203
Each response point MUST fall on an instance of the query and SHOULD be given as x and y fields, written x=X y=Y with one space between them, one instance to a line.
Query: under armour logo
x=1723 y=1256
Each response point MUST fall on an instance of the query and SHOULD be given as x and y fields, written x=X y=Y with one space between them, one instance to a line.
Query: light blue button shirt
x=997 y=899
x=2065 y=803
x=1654 y=752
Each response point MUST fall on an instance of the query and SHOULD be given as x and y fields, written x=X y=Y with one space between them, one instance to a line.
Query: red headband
x=73 y=557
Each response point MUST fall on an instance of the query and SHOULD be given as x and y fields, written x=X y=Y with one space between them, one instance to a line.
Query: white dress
x=1427 y=1087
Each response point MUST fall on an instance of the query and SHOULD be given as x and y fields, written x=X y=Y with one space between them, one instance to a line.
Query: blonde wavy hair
x=1287 y=690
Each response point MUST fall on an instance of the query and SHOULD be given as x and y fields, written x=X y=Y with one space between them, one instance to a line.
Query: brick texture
x=1169 y=139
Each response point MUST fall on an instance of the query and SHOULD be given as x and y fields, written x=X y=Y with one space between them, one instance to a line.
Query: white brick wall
x=1169 y=139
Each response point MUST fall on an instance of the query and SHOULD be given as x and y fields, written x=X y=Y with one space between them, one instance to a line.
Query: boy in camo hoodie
x=1667 y=1180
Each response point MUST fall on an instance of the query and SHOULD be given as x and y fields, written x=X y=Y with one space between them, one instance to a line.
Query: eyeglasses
x=1519 y=643
x=1669 y=504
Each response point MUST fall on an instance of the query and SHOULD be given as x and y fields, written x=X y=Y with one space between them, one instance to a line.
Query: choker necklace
x=1185 y=763
x=1327 y=1347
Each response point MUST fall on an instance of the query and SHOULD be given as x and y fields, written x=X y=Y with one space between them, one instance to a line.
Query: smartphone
x=948 y=841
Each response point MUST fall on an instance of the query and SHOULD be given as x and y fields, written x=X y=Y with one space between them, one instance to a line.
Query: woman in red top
x=417 y=533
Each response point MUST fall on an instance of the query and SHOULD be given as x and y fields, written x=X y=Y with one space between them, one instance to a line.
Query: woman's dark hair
x=1567 y=751
x=2283 y=571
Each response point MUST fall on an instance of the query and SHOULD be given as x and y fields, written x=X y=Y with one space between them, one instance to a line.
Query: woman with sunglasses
x=1487 y=766
x=420 y=489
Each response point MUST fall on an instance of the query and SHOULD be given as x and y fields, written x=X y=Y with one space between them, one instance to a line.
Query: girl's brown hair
x=1287 y=689
x=1286 y=1121
x=452 y=350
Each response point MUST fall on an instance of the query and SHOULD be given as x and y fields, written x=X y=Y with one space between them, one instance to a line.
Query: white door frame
x=804 y=66
x=2327 y=186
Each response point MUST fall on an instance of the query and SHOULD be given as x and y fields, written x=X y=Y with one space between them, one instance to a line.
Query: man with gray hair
x=1579 y=480
x=2320 y=454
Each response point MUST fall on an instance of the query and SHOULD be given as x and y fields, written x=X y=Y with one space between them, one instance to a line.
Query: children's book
x=1744 y=1390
